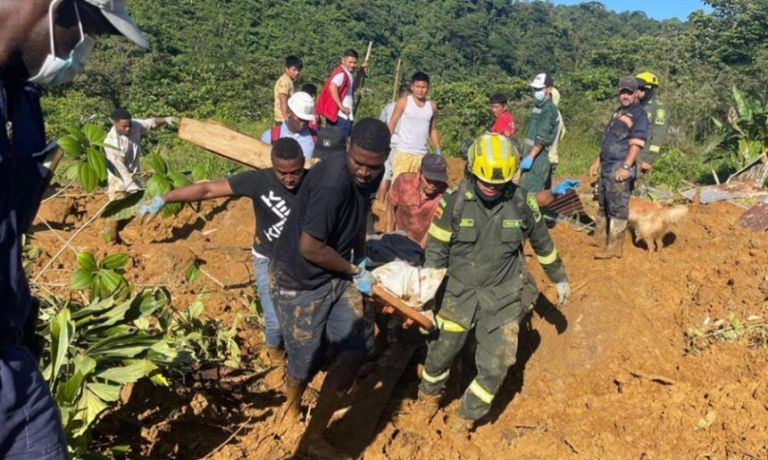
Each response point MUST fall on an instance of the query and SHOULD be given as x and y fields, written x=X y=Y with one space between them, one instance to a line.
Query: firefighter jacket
x=483 y=251
x=658 y=125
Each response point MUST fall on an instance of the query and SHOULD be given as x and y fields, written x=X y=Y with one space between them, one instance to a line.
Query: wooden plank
x=226 y=142
x=402 y=308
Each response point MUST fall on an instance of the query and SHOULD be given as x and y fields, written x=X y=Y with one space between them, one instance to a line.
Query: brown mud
x=610 y=375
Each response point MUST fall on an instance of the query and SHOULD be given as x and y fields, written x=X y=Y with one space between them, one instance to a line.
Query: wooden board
x=387 y=298
x=226 y=142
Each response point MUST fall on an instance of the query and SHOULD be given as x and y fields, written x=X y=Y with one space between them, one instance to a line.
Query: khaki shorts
x=403 y=162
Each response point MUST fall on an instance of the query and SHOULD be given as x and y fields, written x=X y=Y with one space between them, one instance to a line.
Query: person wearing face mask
x=317 y=292
x=478 y=234
x=43 y=44
x=623 y=139
x=541 y=131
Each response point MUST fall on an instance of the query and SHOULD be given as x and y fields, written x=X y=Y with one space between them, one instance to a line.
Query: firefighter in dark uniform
x=624 y=138
x=478 y=235
x=658 y=125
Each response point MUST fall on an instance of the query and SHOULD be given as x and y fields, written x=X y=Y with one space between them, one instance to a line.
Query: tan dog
x=651 y=220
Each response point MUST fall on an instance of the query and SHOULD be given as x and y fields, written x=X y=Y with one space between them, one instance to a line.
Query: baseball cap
x=114 y=11
x=433 y=167
x=628 y=82
x=302 y=105
x=542 y=80
x=329 y=142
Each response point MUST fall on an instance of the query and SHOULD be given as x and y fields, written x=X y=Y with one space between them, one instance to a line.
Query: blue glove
x=563 y=187
x=438 y=152
x=527 y=163
x=153 y=207
x=563 y=292
x=364 y=280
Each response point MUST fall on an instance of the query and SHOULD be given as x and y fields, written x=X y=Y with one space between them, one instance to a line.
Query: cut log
x=384 y=297
x=226 y=142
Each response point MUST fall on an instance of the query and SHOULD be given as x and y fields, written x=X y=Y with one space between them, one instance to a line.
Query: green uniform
x=658 y=126
x=482 y=250
x=541 y=130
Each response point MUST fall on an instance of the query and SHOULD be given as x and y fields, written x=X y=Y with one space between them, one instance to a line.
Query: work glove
x=438 y=152
x=527 y=163
x=153 y=207
x=563 y=187
x=563 y=292
x=364 y=280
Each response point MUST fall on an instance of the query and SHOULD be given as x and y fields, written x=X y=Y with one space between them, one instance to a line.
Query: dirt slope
x=609 y=376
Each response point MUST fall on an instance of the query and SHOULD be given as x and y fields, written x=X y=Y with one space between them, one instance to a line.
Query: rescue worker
x=478 y=235
x=541 y=132
x=624 y=138
x=658 y=125
x=42 y=44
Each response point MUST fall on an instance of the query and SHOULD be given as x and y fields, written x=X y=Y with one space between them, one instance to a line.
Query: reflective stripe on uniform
x=480 y=392
x=549 y=258
x=448 y=325
x=434 y=378
x=440 y=234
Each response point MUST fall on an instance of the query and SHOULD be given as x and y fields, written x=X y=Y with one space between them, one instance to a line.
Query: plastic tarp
x=414 y=285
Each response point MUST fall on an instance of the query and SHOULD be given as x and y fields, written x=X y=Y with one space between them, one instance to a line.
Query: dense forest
x=220 y=59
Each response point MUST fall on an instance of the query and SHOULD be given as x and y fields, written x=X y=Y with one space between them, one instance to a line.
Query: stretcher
x=389 y=304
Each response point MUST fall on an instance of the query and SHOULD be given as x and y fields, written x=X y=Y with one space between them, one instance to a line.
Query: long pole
x=397 y=80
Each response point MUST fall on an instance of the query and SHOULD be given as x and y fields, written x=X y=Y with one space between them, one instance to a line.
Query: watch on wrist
x=626 y=166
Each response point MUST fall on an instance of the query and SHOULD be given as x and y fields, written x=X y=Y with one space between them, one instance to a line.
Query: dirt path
x=610 y=376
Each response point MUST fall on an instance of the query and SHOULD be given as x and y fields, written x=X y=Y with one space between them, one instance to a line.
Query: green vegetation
x=220 y=60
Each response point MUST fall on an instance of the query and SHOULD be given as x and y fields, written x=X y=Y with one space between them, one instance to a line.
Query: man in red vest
x=336 y=101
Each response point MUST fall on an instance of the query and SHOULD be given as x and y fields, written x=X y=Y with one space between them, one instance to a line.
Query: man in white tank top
x=413 y=121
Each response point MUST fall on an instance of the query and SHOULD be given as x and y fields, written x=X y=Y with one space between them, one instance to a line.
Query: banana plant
x=85 y=145
x=745 y=130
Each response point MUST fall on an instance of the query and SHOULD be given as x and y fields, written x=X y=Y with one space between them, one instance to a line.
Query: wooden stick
x=226 y=441
x=397 y=80
x=714 y=174
x=368 y=53
x=66 y=243
x=45 y=222
x=403 y=308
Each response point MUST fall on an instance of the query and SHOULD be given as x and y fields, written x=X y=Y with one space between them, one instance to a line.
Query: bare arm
x=434 y=134
x=397 y=112
x=324 y=256
x=200 y=191
x=283 y=98
x=336 y=98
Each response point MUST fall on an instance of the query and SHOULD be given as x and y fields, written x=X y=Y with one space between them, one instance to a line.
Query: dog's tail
x=674 y=214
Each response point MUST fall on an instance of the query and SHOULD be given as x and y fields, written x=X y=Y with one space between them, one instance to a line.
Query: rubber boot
x=615 y=247
x=110 y=232
x=600 y=235
x=461 y=426
x=276 y=357
x=430 y=404
x=290 y=413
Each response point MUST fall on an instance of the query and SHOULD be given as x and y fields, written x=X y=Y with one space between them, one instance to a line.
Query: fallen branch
x=653 y=378
x=226 y=441
x=56 y=234
x=221 y=285
x=569 y=444
x=66 y=243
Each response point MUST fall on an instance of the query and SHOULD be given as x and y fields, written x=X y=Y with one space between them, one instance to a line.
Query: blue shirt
x=304 y=138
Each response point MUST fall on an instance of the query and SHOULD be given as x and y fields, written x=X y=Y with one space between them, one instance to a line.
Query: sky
x=657 y=9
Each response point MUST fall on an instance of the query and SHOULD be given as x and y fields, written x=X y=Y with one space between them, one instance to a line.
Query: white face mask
x=540 y=95
x=56 y=71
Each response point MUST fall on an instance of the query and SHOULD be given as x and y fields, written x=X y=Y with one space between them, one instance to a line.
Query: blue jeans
x=30 y=428
x=272 y=335
x=332 y=313
x=343 y=126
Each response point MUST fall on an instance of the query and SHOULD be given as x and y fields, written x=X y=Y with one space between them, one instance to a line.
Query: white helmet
x=302 y=105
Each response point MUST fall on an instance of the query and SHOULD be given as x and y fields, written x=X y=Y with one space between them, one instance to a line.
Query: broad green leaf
x=84 y=364
x=62 y=329
x=86 y=260
x=75 y=131
x=171 y=209
x=129 y=373
x=88 y=410
x=717 y=123
x=97 y=162
x=178 y=180
x=94 y=133
x=110 y=281
x=199 y=173
x=741 y=105
x=114 y=261
x=157 y=164
x=105 y=392
x=192 y=273
x=157 y=185
x=159 y=380
x=70 y=145
x=81 y=279
x=88 y=177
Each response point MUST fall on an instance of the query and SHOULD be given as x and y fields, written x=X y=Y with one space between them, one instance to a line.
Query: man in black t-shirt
x=317 y=287
x=273 y=192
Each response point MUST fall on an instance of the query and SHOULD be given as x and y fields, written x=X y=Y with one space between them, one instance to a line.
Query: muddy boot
x=290 y=413
x=276 y=358
x=337 y=382
x=615 y=247
x=429 y=405
x=600 y=235
x=461 y=427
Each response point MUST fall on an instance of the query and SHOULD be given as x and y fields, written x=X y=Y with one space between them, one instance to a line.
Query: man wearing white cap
x=43 y=44
x=301 y=110
x=540 y=133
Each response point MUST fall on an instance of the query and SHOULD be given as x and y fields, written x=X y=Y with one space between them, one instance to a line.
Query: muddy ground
x=611 y=375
